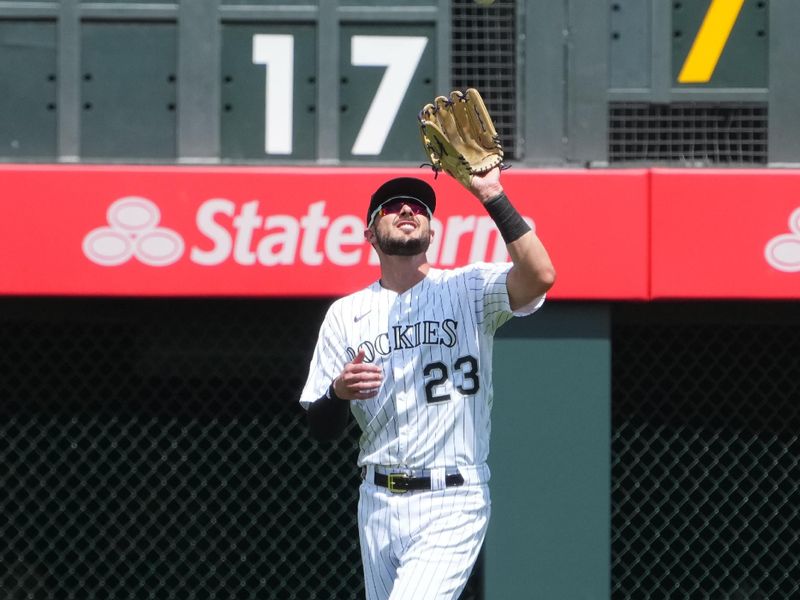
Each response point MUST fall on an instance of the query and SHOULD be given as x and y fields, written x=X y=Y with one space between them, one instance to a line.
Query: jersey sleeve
x=327 y=361
x=494 y=304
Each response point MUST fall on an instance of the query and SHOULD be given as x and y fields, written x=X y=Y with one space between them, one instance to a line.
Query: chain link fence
x=155 y=449
x=705 y=450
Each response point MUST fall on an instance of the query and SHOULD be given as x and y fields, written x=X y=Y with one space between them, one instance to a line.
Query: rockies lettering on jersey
x=434 y=344
x=404 y=337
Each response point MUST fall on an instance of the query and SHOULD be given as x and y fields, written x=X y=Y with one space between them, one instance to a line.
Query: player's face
x=402 y=229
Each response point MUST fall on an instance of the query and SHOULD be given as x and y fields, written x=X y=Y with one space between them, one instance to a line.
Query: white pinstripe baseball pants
x=421 y=545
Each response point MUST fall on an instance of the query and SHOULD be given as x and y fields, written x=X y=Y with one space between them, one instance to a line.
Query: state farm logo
x=248 y=234
x=133 y=231
x=783 y=251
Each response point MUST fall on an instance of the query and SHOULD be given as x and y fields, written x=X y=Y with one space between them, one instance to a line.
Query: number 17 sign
x=269 y=93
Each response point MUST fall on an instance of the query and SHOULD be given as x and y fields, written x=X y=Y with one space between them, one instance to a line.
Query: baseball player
x=410 y=356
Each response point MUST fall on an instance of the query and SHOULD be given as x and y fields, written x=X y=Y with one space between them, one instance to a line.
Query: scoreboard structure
x=218 y=81
x=339 y=82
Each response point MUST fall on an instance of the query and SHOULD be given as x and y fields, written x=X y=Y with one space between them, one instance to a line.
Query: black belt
x=401 y=483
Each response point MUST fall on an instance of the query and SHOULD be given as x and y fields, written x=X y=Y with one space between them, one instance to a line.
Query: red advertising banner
x=725 y=234
x=241 y=231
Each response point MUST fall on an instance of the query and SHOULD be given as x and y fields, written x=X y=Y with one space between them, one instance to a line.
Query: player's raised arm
x=459 y=137
x=533 y=272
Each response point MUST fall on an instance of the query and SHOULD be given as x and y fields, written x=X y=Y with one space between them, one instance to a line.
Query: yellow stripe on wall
x=710 y=41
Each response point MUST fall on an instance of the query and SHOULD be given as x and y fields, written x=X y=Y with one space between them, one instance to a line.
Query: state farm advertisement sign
x=237 y=231
x=241 y=231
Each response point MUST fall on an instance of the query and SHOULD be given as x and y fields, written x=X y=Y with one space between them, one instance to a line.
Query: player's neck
x=401 y=273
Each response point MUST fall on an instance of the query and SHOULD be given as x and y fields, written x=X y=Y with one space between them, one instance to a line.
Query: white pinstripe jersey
x=434 y=343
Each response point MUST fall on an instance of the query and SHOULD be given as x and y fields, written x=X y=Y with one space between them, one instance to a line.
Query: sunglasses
x=395 y=206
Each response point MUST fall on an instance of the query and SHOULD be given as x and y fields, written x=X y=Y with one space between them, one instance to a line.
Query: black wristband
x=509 y=222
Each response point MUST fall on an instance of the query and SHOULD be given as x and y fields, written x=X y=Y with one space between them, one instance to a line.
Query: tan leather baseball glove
x=459 y=136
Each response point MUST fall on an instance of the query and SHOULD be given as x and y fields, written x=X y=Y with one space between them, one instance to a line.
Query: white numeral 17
x=399 y=54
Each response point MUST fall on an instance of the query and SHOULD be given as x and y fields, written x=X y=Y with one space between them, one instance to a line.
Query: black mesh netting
x=483 y=54
x=155 y=449
x=688 y=133
x=705 y=449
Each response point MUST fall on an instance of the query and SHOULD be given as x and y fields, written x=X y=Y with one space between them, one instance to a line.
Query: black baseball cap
x=399 y=188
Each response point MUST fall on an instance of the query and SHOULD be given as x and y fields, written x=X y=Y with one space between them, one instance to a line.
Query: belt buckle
x=392 y=479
